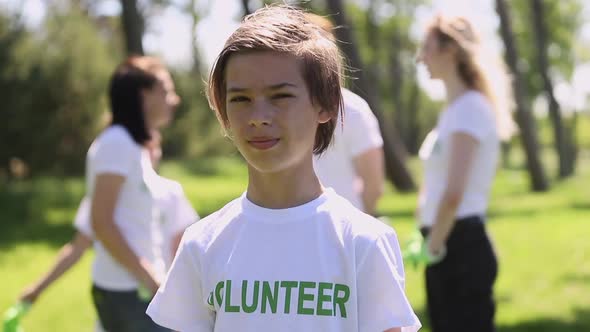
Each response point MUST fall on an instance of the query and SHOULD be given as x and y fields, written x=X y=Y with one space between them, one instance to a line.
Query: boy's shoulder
x=207 y=229
x=356 y=223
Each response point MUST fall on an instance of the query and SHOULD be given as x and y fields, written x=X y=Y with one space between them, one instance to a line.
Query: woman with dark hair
x=123 y=187
x=460 y=158
x=176 y=214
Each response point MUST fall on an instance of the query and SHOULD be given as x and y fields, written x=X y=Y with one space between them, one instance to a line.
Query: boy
x=288 y=255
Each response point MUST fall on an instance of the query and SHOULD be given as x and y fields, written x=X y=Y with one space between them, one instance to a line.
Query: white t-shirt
x=82 y=219
x=114 y=151
x=358 y=133
x=322 y=266
x=177 y=215
x=471 y=114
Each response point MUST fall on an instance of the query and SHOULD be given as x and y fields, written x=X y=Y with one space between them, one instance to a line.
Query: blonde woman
x=460 y=158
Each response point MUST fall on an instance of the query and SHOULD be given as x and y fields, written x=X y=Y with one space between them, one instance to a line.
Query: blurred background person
x=176 y=213
x=460 y=159
x=123 y=188
x=353 y=165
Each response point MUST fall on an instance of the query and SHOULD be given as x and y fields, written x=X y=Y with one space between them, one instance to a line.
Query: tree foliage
x=53 y=80
x=563 y=20
x=52 y=85
x=384 y=34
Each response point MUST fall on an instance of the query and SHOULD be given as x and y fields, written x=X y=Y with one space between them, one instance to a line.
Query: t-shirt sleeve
x=184 y=214
x=179 y=303
x=82 y=218
x=115 y=153
x=382 y=302
x=360 y=128
x=472 y=116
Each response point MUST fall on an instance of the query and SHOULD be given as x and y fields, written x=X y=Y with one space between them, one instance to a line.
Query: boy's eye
x=281 y=95
x=238 y=99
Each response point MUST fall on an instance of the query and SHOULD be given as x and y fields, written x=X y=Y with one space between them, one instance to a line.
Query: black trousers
x=123 y=311
x=460 y=288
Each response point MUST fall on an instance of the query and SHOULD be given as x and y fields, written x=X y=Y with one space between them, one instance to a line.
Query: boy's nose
x=261 y=114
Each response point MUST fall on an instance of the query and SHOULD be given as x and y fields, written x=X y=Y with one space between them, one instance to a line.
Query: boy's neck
x=285 y=189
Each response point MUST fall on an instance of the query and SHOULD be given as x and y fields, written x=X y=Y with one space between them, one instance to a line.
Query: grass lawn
x=542 y=241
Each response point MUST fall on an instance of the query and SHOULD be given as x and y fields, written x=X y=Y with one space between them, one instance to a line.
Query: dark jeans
x=123 y=311
x=460 y=288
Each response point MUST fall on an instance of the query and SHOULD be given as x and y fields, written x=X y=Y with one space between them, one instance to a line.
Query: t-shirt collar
x=278 y=216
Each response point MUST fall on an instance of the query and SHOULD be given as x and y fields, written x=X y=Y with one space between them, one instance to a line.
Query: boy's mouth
x=263 y=143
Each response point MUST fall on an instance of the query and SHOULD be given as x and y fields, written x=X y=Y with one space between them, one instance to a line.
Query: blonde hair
x=478 y=69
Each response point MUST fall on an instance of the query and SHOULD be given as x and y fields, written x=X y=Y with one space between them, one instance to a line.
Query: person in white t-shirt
x=460 y=159
x=123 y=189
x=288 y=255
x=178 y=215
x=353 y=165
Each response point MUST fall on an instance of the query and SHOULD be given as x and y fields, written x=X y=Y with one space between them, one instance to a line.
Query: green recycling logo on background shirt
x=312 y=298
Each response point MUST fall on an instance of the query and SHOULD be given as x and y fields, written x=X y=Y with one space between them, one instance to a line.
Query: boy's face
x=269 y=110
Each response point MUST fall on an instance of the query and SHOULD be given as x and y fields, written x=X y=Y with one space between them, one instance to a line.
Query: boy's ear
x=324 y=116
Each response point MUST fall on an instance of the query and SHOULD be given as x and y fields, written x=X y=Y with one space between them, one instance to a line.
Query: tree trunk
x=572 y=140
x=524 y=117
x=413 y=130
x=561 y=146
x=133 y=26
x=196 y=68
x=397 y=74
x=394 y=151
x=246 y=7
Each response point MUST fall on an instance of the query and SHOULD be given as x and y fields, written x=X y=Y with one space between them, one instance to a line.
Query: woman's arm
x=69 y=255
x=106 y=192
x=370 y=167
x=463 y=149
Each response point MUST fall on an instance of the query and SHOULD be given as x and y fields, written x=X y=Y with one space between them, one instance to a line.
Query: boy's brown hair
x=321 y=21
x=285 y=29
